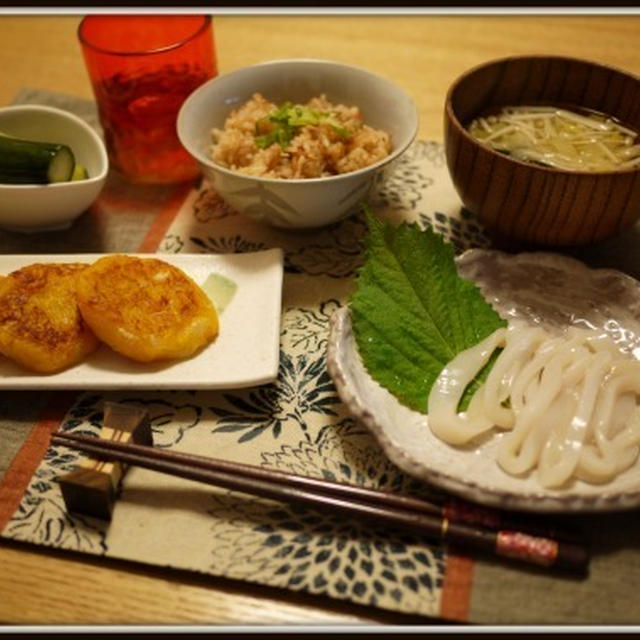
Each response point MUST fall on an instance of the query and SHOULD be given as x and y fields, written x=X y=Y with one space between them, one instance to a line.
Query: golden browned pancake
x=145 y=308
x=40 y=324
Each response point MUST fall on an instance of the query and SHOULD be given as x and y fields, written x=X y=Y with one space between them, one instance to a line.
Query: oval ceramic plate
x=543 y=288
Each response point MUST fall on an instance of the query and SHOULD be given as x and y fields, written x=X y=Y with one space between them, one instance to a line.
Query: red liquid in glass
x=138 y=114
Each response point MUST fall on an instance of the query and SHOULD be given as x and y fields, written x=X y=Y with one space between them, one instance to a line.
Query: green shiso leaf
x=411 y=311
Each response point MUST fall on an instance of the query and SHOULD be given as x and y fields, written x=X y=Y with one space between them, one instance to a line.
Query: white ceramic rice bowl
x=302 y=203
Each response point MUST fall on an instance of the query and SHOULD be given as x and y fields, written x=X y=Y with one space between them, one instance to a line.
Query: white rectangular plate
x=245 y=353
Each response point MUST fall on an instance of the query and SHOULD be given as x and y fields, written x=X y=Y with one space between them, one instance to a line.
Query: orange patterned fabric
x=456 y=591
x=156 y=233
x=30 y=455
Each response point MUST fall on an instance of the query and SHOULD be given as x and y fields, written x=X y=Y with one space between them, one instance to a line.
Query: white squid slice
x=444 y=420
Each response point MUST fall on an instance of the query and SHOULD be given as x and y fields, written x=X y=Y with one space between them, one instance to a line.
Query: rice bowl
x=297 y=203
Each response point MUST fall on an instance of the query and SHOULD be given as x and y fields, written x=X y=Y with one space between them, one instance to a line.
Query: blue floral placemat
x=297 y=424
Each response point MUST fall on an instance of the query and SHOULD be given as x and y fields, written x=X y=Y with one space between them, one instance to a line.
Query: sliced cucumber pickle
x=79 y=173
x=29 y=162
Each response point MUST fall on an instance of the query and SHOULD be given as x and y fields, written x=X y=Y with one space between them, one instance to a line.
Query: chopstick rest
x=92 y=488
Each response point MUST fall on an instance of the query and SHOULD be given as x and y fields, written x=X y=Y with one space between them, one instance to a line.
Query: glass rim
x=206 y=21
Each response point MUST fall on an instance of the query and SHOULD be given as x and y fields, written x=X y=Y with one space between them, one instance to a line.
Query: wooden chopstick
x=454 y=510
x=399 y=511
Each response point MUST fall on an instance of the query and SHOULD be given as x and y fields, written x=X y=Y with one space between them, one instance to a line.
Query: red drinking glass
x=142 y=68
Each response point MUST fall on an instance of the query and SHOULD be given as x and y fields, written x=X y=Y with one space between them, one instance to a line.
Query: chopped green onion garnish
x=287 y=119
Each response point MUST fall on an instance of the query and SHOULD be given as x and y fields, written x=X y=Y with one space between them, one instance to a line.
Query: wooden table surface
x=421 y=53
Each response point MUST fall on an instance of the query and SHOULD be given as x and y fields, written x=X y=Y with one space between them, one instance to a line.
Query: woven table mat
x=299 y=424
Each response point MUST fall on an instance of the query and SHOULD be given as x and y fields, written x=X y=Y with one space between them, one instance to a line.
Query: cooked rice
x=315 y=151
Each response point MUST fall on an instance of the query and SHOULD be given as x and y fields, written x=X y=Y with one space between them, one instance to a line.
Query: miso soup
x=558 y=137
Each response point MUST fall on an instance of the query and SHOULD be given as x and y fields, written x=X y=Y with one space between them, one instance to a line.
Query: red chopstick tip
x=542 y=551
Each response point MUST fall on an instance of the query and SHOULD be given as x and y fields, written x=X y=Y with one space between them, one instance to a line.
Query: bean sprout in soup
x=560 y=138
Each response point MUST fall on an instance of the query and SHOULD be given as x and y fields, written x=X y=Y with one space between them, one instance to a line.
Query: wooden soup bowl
x=527 y=203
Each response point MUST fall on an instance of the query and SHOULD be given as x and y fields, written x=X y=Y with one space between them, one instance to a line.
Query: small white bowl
x=300 y=203
x=47 y=207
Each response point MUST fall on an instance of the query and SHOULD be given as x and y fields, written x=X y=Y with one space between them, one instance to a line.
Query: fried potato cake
x=145 y=308
x=40 y=324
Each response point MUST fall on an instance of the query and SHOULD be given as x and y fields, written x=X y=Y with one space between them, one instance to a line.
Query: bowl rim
x=395 y=153
x=453 y=119
x=84 y=125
